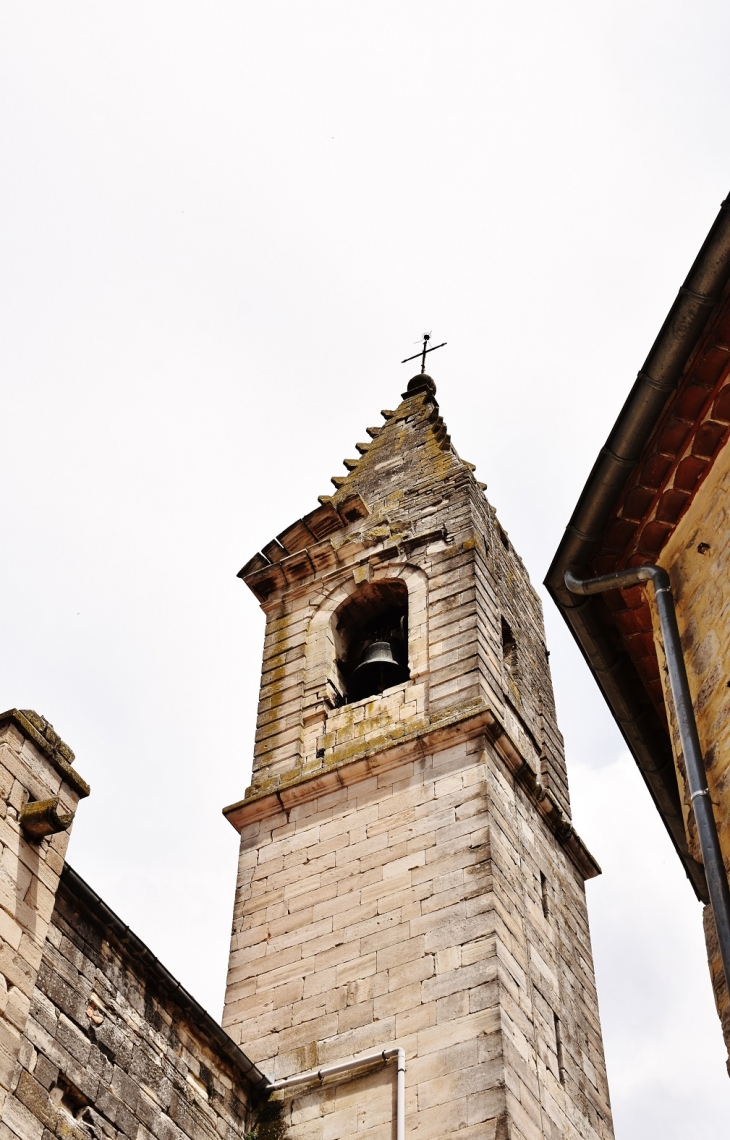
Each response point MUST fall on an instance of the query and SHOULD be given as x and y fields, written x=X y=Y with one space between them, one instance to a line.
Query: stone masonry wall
x=697 y=558
x=110 y=1053
x=428 y=523
x=424 y=903
x=504 y=591
x=408 y=871
x=35 y=765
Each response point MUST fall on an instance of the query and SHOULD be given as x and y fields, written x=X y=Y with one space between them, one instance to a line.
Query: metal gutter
x=81 y=892
x=599 y=642
x=343 y=1070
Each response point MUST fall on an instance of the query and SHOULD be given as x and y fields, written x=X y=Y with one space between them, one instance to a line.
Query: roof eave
x=610 y=664
x=82 y=893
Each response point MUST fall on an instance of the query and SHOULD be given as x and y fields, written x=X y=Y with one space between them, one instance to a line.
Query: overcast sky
x=223 y=225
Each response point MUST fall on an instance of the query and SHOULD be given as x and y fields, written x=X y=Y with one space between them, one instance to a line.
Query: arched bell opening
x=371 y=639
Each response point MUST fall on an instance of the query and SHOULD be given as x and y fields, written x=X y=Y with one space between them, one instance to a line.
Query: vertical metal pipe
x=717 y=884
x=401 y=1097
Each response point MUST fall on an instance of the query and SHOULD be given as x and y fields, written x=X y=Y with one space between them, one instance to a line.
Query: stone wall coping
x=133 y=947
x=474 y=720
x=53 y=751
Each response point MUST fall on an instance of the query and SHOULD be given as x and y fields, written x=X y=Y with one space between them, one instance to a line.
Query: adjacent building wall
x=97 y=1040
x=35 y=765
x=111 y=1050
x=697 y=557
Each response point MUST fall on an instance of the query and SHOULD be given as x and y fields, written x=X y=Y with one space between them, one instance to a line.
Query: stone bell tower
x=409 y=877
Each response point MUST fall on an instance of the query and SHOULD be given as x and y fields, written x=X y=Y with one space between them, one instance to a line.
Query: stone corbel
x=42 y=817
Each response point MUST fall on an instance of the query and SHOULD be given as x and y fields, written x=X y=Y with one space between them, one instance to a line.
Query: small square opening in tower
x=509 y=648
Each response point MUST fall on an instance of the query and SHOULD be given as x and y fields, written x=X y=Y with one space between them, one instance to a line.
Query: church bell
x=377 y=670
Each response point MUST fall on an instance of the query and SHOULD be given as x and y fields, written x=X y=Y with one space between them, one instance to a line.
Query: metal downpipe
x=343 y=1068
x=401 y=1097
x=717 y=884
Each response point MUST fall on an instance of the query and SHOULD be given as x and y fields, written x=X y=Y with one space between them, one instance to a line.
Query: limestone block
x=428 y=968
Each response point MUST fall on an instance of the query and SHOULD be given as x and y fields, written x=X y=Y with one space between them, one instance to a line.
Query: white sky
x=222 y=227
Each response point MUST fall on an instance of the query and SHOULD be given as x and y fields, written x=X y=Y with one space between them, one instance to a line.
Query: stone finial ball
x=422 y=380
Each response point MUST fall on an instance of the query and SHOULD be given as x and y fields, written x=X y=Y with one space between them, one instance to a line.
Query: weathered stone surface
x=110 y=1051
x=96 y=1039
x=35 y=765
x=408 y=872
x=429 y=526
x=435 y=938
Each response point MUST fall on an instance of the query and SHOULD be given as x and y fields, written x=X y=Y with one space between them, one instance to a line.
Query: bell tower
x=410 y=885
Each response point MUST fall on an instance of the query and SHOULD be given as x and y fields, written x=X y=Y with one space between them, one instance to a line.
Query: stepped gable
x=406 y=461
x=413 y=447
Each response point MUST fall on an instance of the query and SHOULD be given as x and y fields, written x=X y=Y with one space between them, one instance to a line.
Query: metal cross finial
x=424 y=350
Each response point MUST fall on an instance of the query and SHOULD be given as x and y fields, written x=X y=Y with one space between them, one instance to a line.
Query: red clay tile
x=707 y=439
x=721 y=334
x=643 y=616
x=654 y=470
x=671 y=505
x=620 y=533
x=673 y=436
x=648 y=668
x=721 y=407
x=604 y=564
x=634 y=597
x=637 y=503
x=710 y=368
x=691 y=401
x=627 y=622
x=653 y=537
x=614 y=601
x=688 y=472
x=646 y=643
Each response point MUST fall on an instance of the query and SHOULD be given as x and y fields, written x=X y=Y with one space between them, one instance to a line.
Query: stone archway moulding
x=321 y=682
x=321 y=664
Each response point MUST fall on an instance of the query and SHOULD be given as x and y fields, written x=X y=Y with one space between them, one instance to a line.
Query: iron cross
x=424 y=350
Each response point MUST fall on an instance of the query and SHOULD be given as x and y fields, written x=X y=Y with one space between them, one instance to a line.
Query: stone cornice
x=301 y=550
x=474 y=720
x=50 y=744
